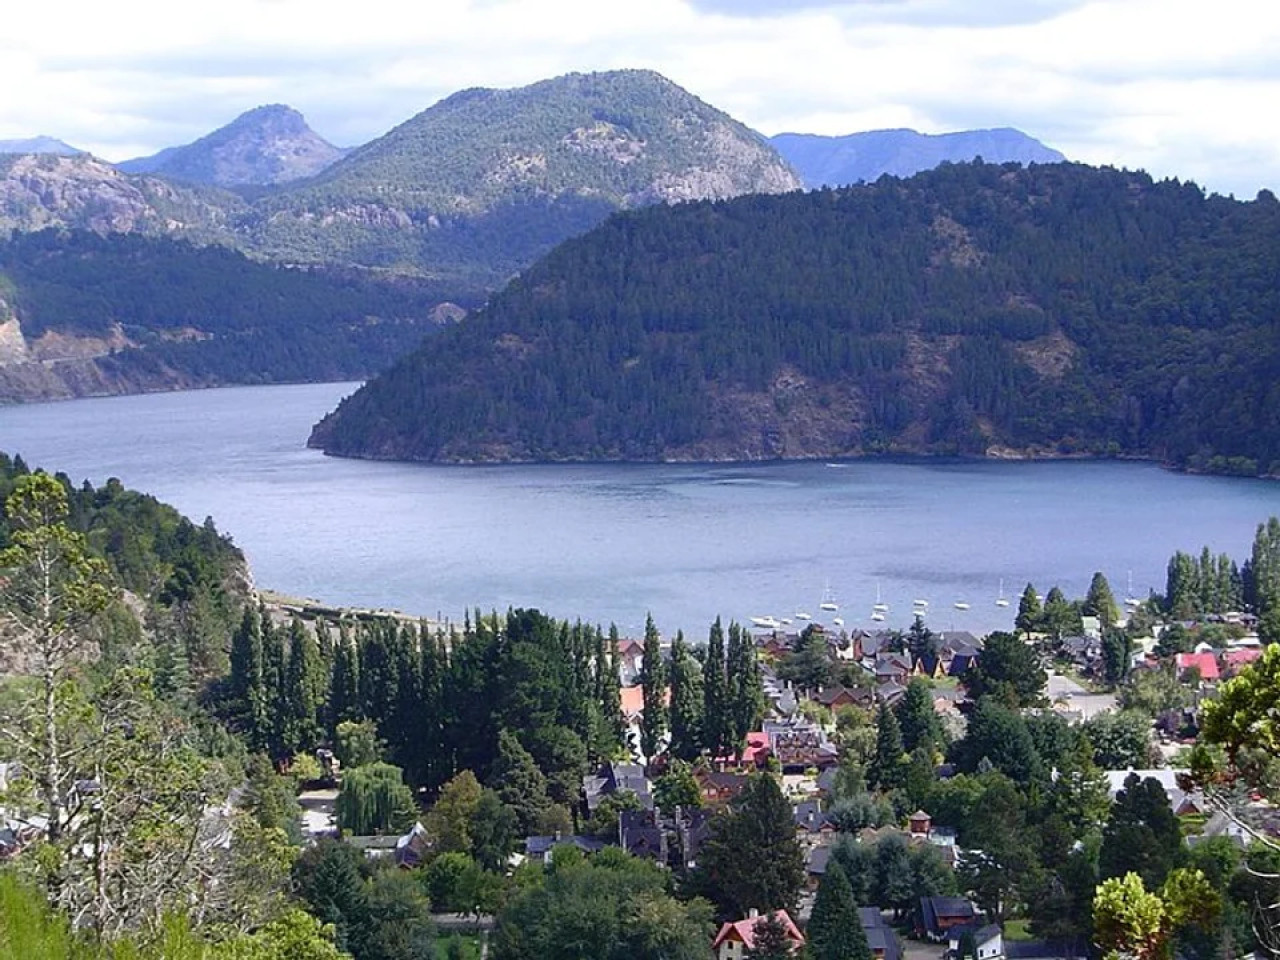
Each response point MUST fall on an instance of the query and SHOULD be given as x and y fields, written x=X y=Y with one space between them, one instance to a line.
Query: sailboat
x=1002 y=600
x=838 y=621
x=828 y=601
x=877 y=615
x=961 y=605
x=1130 y=600
x=879 y=605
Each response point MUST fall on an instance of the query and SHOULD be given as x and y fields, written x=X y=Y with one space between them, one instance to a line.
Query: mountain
x=267 y=145
x=865 y=157
x=974 y=309
x=39 y=144
x=468 y=192
x=483 y=182
x=83 y=314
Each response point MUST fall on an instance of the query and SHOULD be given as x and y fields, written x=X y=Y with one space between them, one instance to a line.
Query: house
x=833 y=698
x=939 y=914
x=988 y=941
x=1182 y=801
x=642 y=835
x=890 y=693
x=617 y=778
x=538 y=848
x=411 y=848
x=920 y=824
x=892 y=668
x=880 y=936
x=736 y=938
x=1205 y=662
x=630 y=655
x=692 y=830
x=811 y=822
x=799 y=744
x=815 y=864
x=718 y=788
x=1233 y=661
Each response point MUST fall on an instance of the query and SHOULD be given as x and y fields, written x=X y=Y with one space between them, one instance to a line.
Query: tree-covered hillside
x=1056 y=309
x=147 y=313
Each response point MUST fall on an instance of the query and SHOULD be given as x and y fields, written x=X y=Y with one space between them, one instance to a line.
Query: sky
x=1179 y=88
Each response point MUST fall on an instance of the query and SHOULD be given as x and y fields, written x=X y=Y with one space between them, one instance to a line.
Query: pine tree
x=1100 y=602
x=686 y=701
x=917 y=720
x=653 y=678
x=715 y=695
x=887 y=770
x=247 y=691
x=835 y=930
x=1030 y=612
x=519 y=783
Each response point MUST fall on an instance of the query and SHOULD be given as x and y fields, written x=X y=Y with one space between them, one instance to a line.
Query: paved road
x=1088 y=704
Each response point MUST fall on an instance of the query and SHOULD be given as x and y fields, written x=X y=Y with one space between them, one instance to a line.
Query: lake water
x=611 y=542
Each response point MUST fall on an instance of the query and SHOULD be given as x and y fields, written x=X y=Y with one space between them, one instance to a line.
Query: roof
x=932 y=908
x=1206 y=663
x=982 y=934
x=1235 y=659
x=744 y=931
x=540 y=846
x=632 y=701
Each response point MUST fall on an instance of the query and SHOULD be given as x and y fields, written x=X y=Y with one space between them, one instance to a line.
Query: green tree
x=374 y=799
x=327 y=879
x=752 y=858
x=677 y=788
x=1030 y=611
x=1117 y=651
x=887 y=769
x=1142 y=835
x=494 y=828
x=834 y=931
x=1061 y=617
x=770 y=940
x=686 y=701
x=653 y=679
x=715 y=695
x=917 y=718
x=1009 y=669
x=744 y=686
x=1128 y=921
x=450 y=818
x=1000 y=736
x=357 y=743
x=53 y=590
x=1100 y=602
x=519 y=783
x=1121 y=741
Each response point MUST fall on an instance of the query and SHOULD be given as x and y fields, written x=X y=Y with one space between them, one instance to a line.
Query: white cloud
x=1174 y=86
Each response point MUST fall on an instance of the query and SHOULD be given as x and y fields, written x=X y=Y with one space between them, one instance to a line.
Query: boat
x=920 y=604
x=1002 y=600
x=961 y=605
x=877 y=615
x=802 y=615
x=838 y=621
x=879 y=605
x=765 y=623
x=828 y=601
x=1130 y=600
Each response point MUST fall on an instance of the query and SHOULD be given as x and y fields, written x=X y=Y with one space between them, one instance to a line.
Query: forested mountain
x=864 y=157
x=85 y=314
x=269 y=144
x=39 y=144
x=469 y=191
x=484 y=181
x=1052 y=310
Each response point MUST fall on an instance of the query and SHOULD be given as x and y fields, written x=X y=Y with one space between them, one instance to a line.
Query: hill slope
x=39 y=144
x=865 y=157
x=83 y=314
x=487 y=180
x=266 y=145
x=975 y=308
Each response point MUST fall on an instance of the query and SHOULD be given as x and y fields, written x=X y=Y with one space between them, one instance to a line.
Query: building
x=734 y=939
x=938 y=915
x=881 y=937
x=988 y=942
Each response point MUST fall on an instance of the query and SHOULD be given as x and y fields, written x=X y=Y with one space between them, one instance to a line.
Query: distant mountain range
x=1050 y=310
x=38 y=145
x=266 y=145
x=864 y=157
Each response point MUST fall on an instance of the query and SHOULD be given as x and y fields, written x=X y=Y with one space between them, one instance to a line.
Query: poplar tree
x=609 y=687
x=246 y=681
x=654 y=682
x=302 y=693
x=745 y=686
x=686 y=701
x=715 y=695
x=344 y=682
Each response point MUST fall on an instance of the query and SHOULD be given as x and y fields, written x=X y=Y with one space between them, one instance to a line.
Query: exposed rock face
x=266 y=145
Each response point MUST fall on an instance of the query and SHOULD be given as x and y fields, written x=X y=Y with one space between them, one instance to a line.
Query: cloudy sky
x=1182 y=88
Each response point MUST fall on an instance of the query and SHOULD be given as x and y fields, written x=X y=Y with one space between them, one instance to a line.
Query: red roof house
x=736 y=938
x=1206 y=663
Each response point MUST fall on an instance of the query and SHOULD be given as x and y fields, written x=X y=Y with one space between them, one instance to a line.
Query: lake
x=612 y=542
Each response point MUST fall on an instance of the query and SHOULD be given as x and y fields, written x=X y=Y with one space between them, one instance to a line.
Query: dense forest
x=168 y=313
x=1052 y=310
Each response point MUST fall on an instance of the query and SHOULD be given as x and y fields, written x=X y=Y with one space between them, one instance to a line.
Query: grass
x=1018 y=930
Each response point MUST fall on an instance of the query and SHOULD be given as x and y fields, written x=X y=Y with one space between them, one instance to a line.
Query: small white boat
x=1130 y=600
x=921 y=604
x=828 y=601
x=877 y=615
x=838 y=621
x=879 y=605
x=766 y=623
x=961 y=605
x=802 y=615
x=1002 y=600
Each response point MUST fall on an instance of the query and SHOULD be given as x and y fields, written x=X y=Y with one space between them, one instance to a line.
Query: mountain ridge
x=901 y=152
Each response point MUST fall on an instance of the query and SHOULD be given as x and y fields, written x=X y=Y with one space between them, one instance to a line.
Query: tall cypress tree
x=745 y=686
x=1030 y=612
x=686 y=701
x=654 y=681
x=715 y=694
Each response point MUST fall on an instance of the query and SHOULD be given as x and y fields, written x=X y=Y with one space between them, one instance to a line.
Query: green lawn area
x=1018 y=930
